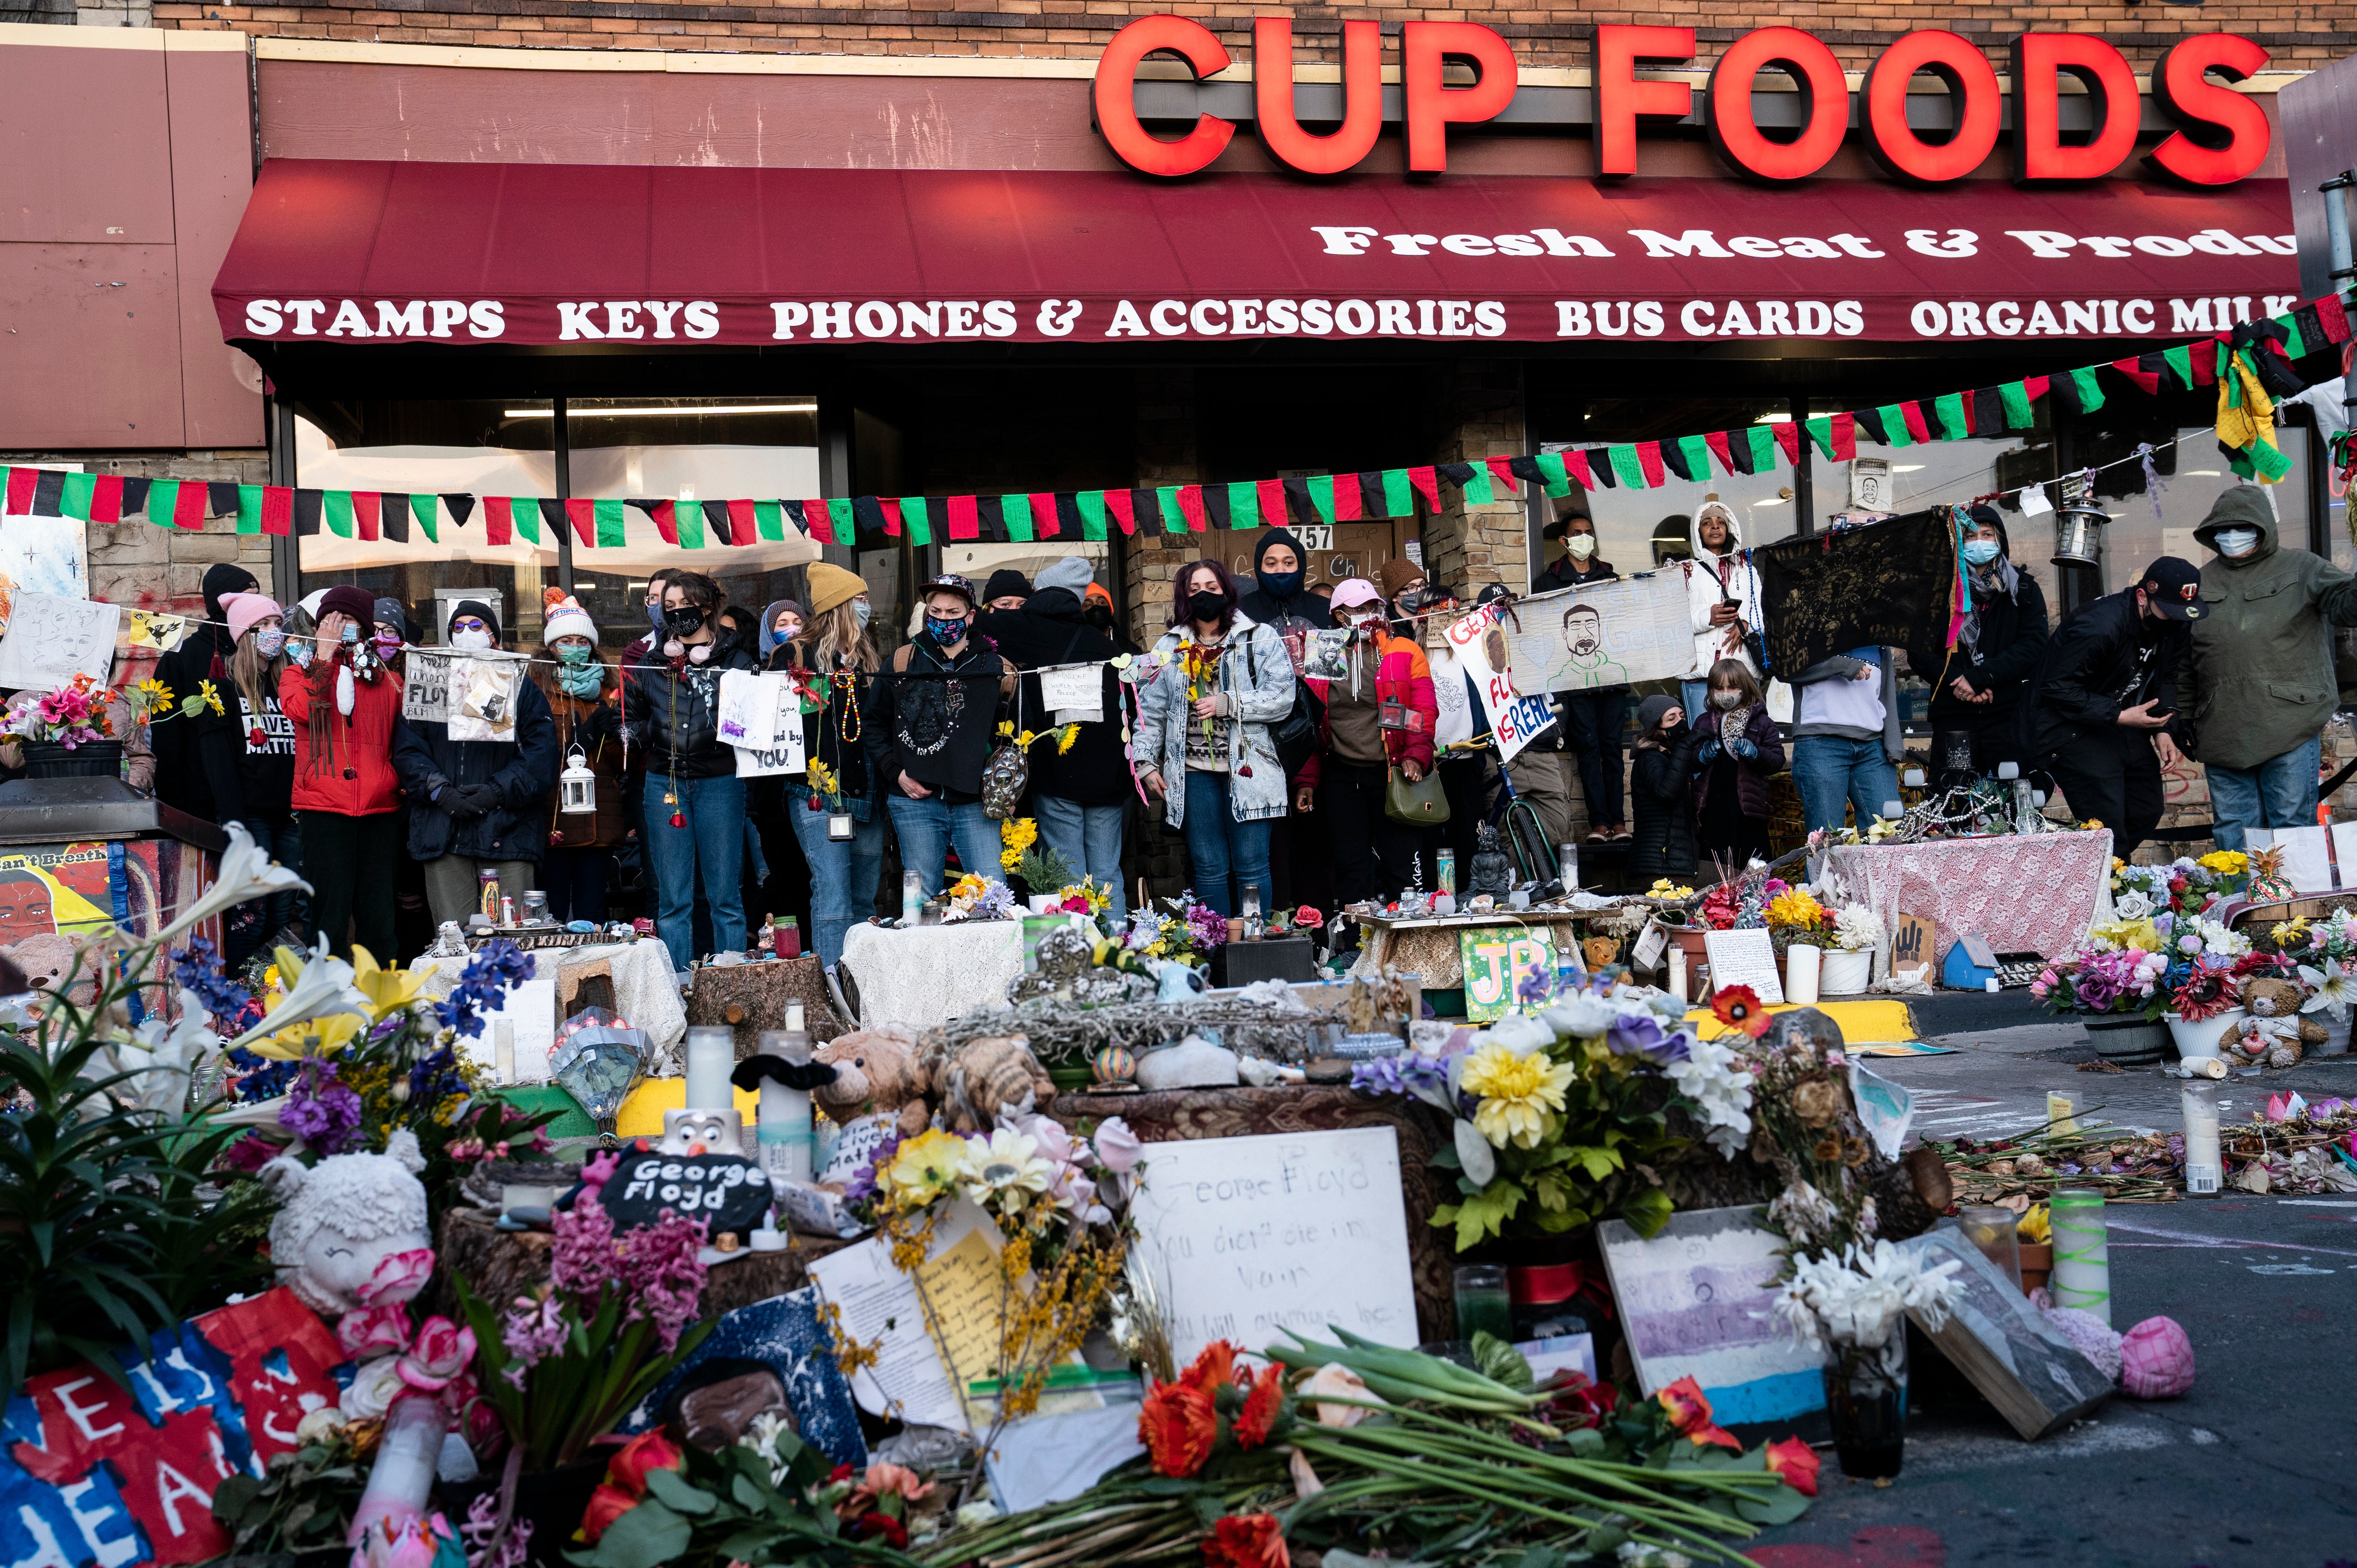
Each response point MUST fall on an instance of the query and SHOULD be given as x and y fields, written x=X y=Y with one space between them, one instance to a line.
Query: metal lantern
x=2078 y=534
x=576 y=785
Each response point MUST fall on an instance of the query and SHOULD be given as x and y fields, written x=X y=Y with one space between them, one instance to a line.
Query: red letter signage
x=1973 y=97
x=1619 y=97
x=1116 y=88
x=1824 y=104
x=2039 y=60
x=1362 y=97
x=1427 y=106
x=2220 y=135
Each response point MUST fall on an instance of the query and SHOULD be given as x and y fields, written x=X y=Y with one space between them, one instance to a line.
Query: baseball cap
x=1355 y=591
x=2173 y=588
x=948 y=583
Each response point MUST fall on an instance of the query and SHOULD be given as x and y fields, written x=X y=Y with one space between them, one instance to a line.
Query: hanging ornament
x=678 y=821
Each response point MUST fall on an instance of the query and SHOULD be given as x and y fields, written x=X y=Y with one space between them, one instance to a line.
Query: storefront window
x=442 y=447
x=2135 y=536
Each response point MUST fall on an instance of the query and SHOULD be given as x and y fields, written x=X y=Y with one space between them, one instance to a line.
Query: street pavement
x=2252 y=1469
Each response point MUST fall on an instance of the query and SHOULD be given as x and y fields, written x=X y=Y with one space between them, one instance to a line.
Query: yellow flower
x=210 y=696
x=1794 y=907
x=2141 y=935
x=318 y=1038
x=1518 y=1094
x=2034 y=1226
x=2225 y=862
x=922 y=1170
x=388 y=989
x=1065 y=737
x=821 y=778
x=1015 y=835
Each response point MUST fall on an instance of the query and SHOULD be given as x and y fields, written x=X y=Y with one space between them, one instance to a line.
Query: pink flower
x=367 y=1332
x=582 y=1260
x=1117 y=1145
x=534 y=1331
x=662 y=1274
x=398 y=1277
x=441 y=1353
x=1055 y=1143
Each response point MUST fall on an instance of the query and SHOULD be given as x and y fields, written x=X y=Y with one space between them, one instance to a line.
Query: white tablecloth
x=931 y=975
x=2035 y=893
x=645 y=991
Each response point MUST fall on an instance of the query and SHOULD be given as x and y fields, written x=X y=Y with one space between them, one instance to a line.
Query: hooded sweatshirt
x=1712 y=580
x=182 y=778
x=1293 y=615
x=2262 y=659
x=2004 y=639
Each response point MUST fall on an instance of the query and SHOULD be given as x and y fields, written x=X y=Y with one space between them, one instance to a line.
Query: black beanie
x=223 y=577
x=1281 y=536
x=1004 y=582
x=490 y=617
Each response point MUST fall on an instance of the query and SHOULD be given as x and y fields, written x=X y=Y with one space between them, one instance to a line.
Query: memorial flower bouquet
x=1858 y=929
x=1850 y=1305
x=2105 y=981
x=1570 y=1114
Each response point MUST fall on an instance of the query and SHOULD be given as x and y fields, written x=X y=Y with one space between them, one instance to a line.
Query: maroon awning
x=377 y=253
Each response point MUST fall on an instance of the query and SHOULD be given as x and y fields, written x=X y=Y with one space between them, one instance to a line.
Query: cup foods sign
x=2218 y=137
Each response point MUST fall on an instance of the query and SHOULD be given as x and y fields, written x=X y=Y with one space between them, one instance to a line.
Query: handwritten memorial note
x=51 y=640
x=1744 y=958
x=1296 y=1231
x=425 y=687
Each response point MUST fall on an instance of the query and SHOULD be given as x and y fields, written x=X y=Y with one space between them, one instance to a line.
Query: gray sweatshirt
x=1842 y=667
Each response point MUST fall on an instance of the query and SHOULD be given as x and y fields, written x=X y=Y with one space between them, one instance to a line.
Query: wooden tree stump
x=750 y=997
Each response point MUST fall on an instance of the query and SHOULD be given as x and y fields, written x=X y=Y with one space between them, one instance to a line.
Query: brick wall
x=2296 y=35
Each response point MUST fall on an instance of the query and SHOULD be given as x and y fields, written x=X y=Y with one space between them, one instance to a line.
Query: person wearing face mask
x=1997 y=651
x=1379 y=716
x=932 y=718
x=1279 y=599
x=833 y=808
x=782 y=622
x=1593 y=716
x=345 y=706
x=1007 y=590
x=1096 y=608
x=694 y=802
x=1661 y=785
x=478 y=805
x=1220 y=678
x=1737 y=749
x=584 y=695
x=250 y=764
x=392 y=632
x=2263 y=682
x=183 y=779
x=1722 y=596
x=2104 y=702
x=1079 y=793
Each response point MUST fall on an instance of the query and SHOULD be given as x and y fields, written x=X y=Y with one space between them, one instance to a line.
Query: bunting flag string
x=2248 y=364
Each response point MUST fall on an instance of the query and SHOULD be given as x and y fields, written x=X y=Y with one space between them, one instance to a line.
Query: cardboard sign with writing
x=725 y=1191
x=1744 y=958
x=1913 y=941
x=1299 y=1230
x=1497 y=959
x=425 y=681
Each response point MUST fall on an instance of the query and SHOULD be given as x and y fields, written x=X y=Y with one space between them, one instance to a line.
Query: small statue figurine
x=1492 y=873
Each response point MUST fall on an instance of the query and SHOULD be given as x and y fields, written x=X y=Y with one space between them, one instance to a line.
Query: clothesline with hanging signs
x=2250 y=365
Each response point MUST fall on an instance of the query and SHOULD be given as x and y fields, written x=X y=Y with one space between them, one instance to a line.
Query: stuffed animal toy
x=875 y=1071
x=350 y=1231
x=989 y=1079
x=2276 y=1030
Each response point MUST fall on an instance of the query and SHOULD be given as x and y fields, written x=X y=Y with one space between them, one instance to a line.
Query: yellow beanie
x=832 y=585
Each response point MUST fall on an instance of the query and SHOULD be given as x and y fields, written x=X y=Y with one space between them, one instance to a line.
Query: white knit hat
x=569 y=619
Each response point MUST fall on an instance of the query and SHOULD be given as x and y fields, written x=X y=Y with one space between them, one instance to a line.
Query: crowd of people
x=1288 y=780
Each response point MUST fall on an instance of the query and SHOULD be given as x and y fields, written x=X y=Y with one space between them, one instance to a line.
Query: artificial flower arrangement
x=973 y=897
x=1567 y=1112
x=2164 y=951
x=1850 y=1305
x=1794 y=916
x=1664 y=888
x=1858 y=929
x=1184 y=929
x=75 y=714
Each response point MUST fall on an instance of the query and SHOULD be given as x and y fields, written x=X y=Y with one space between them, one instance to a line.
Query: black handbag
x=1295 y=734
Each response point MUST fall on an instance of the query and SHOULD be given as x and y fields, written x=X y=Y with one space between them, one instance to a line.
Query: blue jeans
x=842 y=874
x=928 y=827
x=1696 y=696
x=2278 y=793
x=1089 y=838
x=1221 y=849
x=1829 y=771
x=710 y=842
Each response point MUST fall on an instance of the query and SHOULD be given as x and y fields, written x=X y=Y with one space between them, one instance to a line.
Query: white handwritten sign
x=1073 y=692
x=1514 y=720
x=1745 y=958
x=748 y=709
x=482 y=697
x=51 y=640
x=425 y=687
x=1298 y=1230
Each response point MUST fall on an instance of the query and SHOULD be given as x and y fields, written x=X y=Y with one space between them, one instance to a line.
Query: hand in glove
x=470 y=800
x=1743 y=749
x=1707 y=752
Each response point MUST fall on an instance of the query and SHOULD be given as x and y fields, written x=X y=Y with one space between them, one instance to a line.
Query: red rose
x=648 y=1451
x=1797 y=1463
x=607 y=1503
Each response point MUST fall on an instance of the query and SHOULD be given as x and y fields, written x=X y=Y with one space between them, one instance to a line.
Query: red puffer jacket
x=355 y=777
x=1403 y=675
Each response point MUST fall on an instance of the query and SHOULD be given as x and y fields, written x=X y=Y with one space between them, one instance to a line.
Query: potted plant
x=1852 y=1305
x=1848 y=965
x=2122 y=990
x=2202 y=1007
x=75 y=731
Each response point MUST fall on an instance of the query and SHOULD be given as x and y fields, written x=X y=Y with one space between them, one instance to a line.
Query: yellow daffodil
x=388 y=989
x=210 y=694
x=314 y=1037
x=1519 y=1094
x=922 y=1170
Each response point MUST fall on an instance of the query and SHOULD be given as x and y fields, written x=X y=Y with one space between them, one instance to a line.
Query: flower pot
x=2036 y=1265
x=2130 y=1039
x=1865 y=1401
x=1690 y=937
x=91 y=759
x=2196 y=1040
x=1843 y=973
x=552 y=1500
x=2336 y=1034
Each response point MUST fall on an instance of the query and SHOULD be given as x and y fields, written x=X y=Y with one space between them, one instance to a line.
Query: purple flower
x=1204 y=924
x=664 y=1275
x=320 y=1109
x=198 y=967
x=1535 y=987
x=1640 y=1034
x=534 y=1331
x=497 y=967
x=582 y=1258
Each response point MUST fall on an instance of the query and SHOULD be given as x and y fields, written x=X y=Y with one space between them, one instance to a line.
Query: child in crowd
x=1739 y=748
x=1660 y=778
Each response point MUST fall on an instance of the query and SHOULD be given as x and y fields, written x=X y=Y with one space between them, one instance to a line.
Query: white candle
x=2082 y=1264
x=1801 y=963
x=401 y=1482
x=711 y=1057
x=504 y=1048
x=1678 y=971
x=2205 y=1167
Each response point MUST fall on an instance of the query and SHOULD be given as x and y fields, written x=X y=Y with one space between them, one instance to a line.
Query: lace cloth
x=2037 y=893
x=931 y=973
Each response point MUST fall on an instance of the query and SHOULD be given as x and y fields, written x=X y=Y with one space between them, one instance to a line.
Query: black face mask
x=683 y=621
x=1098 y=615
x=1207 y=606
x=1279 y=584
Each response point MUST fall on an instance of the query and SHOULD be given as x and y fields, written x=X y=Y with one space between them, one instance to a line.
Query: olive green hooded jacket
x=2262 y=659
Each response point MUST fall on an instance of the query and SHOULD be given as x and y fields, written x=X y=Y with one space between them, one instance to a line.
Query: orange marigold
x=1177 y=1425
x=1247 y=1541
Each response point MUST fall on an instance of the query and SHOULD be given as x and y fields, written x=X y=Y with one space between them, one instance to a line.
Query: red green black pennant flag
x=2015 y=395
x=917 y=517
x=1350 y=496
x=499 y=521
x=423 y=508
x=1724 y=450
x=1869 y=424
x=1299 y=502
x=1472 y=482
x=134 y=499
x=2078 y=391
x=1146 y=503
x=277 y=510
x=1045 y=523
x=1648 y=463
x=664 y=515
x=1687 y=456
x=2332 y=316
x=1625 y=466
x=555 y=515
x=393 y=516
x=1120 y=505
x=1272 y=503
x=687 y=517
x=965 y=519
x=582 y=514
x=1917 y=427
x=460 y=508
x=1953 y=413
x=20 y=488
x=1835 y=435
x=2308 y=323
x=818 y=522
x=866 y=517
x=887 y=505
x=49 y=493
x=1070 y=522
x=365 y=506
x=309 y=506
x=1788 y=436
x=1215 y=506
x=1191 y=505
x=1015 y=517
x=1502 y=472
x=1571 y=468
x=1600 y=465
x=106 y=499
x=221 y=497
x=1427 y=485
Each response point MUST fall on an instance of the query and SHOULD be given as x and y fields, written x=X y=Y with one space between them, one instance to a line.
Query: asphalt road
x=2256 y=1467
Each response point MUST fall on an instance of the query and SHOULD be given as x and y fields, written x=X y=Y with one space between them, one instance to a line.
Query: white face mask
x=1581 y=545
x=2236 y=541
x=471 y=641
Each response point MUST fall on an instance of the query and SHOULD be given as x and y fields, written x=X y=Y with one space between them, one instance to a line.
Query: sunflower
x=1519 y=1094
x=1739 y=1008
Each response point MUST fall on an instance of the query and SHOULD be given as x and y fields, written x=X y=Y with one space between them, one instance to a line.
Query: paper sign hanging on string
x=1073 y=692
x=152 y=629
x=1325 y=654
x=1514 y=720
x=748 y=709
x=482 y=697
x=425 y=687
x=1578 y=639
x=51 y=640
x=784 y=757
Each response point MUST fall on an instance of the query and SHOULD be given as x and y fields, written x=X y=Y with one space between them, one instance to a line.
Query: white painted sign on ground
x=1301 y=1231
x=1576 y=639
x=1694 y=1301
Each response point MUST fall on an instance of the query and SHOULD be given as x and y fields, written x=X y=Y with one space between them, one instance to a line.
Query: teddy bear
x=2276 y=1029
x=989 y=1078
x=351 y=1232
x=876 y=1070
x=48 y=958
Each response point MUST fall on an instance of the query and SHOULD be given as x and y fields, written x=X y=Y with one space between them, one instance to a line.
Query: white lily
x=164 y=1054
x=247 y=873
x=2335 y=988
x=322 y=988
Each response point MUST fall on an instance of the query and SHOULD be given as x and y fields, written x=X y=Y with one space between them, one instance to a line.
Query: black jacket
x=1048 y=630
x=196 y=754
x=936 y=718
x=823 y=731
x=675 y=718
x=524 y=770
x=1662 y=837
x=2012 y=641
x=2101 y=661
x=1560 y=576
